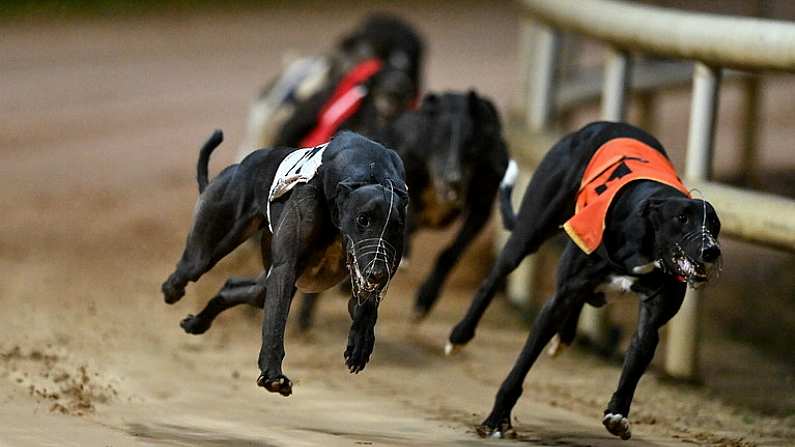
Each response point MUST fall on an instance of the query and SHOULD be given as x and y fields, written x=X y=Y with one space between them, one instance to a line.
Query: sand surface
x=99 y=129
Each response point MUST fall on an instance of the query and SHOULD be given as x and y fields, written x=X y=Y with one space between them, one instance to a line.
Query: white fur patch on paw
x=511 y=172
x=618 y=425
x=450 y=349
x=556 y=346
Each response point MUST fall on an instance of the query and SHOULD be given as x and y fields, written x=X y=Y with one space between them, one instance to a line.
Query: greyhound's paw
x=418 y=314
x=360 y=347
x=279 y=384
x=618 y=425
x=556 y=346
x=404 y=263
x=194 y=325
x=172 y=293
x=461 y=335
x=452 y=349
x=426 y=297
x=500 y=430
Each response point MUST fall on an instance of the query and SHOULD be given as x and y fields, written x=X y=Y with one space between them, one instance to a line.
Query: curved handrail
x=725 y=41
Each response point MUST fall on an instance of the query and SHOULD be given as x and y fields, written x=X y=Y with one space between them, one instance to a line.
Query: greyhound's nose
x=453 y=178
x=711 y=253
x=377 y=276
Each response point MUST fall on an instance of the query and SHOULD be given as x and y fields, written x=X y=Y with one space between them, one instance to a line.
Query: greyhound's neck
x=629 y=238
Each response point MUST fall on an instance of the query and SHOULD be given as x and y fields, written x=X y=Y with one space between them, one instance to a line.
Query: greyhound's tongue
x=680 y=278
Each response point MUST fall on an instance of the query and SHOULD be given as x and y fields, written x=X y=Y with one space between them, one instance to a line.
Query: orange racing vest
x=614 y=165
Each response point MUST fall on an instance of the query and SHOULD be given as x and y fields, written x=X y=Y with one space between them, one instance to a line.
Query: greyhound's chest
x=325 y=268
x=613 y=286
x=436 y=213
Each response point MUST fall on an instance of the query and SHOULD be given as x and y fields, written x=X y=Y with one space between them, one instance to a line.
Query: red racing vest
x=344 y=102
x=614 y=165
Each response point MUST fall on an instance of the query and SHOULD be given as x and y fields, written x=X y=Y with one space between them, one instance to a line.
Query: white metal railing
x=712 y=43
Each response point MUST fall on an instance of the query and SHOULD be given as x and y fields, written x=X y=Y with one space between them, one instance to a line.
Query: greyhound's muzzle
x=696 y=269
x=450 y=190
x=371 y=264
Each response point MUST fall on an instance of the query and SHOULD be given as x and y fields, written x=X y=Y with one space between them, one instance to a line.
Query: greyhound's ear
x=344 y=188
x=472 y=101
x=650 y=209
x=342 y=192
x=484 y=113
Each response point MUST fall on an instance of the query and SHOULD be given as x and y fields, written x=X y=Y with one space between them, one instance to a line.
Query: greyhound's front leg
x=361 y=338
x=279 y=294
x=296 y=228
x=655 y=311
x=286 y=248
x=428 y=293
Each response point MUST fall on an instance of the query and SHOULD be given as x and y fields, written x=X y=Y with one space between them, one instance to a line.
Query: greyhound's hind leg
x=573 y=288
x=236 y=291
x=219 y=226
x=509 y=259
x=544 y=205
x=480 y=206
x=307 y=313
x=565 y=336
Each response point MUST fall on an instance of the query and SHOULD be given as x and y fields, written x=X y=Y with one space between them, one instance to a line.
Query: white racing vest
x=298 y=167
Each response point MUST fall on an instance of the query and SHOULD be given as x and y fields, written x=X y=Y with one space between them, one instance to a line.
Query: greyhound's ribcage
x=325 y=269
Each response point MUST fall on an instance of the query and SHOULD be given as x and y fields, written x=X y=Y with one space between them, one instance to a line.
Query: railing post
x=543 y=80
x=618 y=72
x=595 y=322
x=681 y=358
x=540 y=50
x=527 y=45
x=749 y=130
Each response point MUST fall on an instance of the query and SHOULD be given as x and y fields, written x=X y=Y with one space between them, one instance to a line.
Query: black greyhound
x=456 y=160
x=348 y=219
x=655 y=241
x=389 y=92
x=289 y=105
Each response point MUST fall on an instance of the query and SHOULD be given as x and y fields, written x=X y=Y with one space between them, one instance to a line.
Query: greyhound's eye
x=682 y=219
x=363 y=221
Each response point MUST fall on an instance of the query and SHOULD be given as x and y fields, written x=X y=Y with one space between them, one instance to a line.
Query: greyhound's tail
x=204 y=158
x=506 y=188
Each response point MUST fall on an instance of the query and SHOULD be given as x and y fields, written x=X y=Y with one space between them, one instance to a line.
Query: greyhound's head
x=685 y=237
x=460 y=127
x=372 y=219
x=391 y=40
x=392 y=92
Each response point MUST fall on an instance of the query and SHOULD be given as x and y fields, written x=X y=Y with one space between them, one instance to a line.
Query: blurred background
x=103 y=105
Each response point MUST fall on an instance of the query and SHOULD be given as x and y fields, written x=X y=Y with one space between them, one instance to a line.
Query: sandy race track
x=99 y=129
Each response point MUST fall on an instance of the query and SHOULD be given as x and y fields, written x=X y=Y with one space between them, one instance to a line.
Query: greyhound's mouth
x=381 y=252
x=449 y=195
x=688 y=270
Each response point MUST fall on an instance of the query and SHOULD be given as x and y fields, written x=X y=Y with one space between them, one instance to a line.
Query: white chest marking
x=617 y=283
